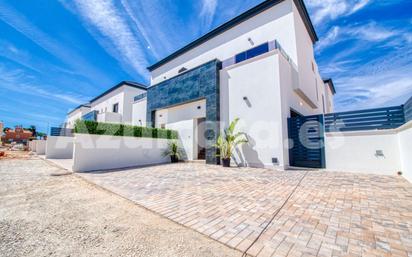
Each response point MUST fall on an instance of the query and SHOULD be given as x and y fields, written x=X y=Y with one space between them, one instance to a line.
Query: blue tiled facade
x=199 y=83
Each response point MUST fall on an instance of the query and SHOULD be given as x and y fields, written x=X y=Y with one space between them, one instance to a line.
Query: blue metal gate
x=307 y=147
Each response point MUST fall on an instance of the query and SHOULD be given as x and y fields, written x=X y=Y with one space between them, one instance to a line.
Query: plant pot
x=226 y=162
x=174 y=159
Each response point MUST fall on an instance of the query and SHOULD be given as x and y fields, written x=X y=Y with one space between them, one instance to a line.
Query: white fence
x=379 y=152
x=59 y=147
x=97 y=152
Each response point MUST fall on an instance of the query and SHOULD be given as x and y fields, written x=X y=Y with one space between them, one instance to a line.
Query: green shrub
x=111 y=129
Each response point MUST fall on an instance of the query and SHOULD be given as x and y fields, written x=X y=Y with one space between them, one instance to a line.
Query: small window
x=116 y=108
x=182 y=70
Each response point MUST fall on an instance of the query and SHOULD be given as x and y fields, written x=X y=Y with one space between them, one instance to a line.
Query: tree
x=32 y=128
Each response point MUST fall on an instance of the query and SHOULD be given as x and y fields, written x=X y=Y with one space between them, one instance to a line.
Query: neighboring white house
x=124 y=103
x=76 y=114
x=265 y=73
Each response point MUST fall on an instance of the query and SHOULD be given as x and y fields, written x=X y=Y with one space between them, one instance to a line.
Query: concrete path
x=268 y=213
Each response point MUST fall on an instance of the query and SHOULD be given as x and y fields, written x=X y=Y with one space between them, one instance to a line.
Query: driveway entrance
x=268 y=213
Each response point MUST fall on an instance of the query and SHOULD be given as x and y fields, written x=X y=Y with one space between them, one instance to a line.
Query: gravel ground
x=46 y=212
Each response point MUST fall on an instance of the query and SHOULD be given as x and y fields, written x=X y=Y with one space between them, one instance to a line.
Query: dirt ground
x=8 y=154
x=46 y=212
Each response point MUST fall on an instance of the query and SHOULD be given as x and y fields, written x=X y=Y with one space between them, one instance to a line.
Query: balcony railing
x=61 y=132
x=256 y=51
x=91 y=116
x=140 y=97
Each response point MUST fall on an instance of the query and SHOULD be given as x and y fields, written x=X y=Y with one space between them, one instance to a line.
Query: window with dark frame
x=256 y=51
x=116 y=108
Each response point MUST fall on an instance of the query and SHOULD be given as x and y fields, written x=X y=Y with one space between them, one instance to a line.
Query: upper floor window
x=256 y=51
x=116 y=108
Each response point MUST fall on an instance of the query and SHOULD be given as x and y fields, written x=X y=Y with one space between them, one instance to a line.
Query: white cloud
x=329 y=39
x=12 y=77
x=21 y=24
x=363 y=82
x=114 y=33
x=373 y=90
x=370 y=32
x=142 y=29
x=332 y=9
x=208 y=12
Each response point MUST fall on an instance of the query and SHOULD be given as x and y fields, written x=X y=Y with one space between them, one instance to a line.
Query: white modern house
x=76 y=114
x=258 y=67
x=124 y=103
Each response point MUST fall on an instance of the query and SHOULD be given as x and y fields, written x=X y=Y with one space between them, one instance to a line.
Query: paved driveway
x=273 y=213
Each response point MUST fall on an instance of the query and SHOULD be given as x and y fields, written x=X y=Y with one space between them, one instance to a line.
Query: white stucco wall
x=59 y=147
x=32 y=145
x=310 y=83
x=404 y=140
x=181 y=112
x=40 y=147
x=260 y=115
x=187 y=137
x=183 y=118
x=76 y=115
x=124 y=96
x=139 y=113
x=110 y=117
x=95 y=152
x=274 y=23
x=356 y=152
x=267 y=82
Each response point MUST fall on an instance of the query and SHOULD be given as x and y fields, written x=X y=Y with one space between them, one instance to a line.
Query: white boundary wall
x=32 y=146
x=359 y=151
x=97 y=152
x=40 y=147
x=405 y=139
x=59 y=147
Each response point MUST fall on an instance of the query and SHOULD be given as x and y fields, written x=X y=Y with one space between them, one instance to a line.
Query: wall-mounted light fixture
x=379 y=153
x=247 y=101
x=251 y=41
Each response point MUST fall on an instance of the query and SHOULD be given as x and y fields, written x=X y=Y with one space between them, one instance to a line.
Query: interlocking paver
x=330 y=213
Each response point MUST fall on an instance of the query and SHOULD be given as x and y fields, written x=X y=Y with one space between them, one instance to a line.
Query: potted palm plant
x=174 y=151
x=227 y=142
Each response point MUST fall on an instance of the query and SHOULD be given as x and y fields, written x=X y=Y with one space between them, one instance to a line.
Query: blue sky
x=55 y=55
